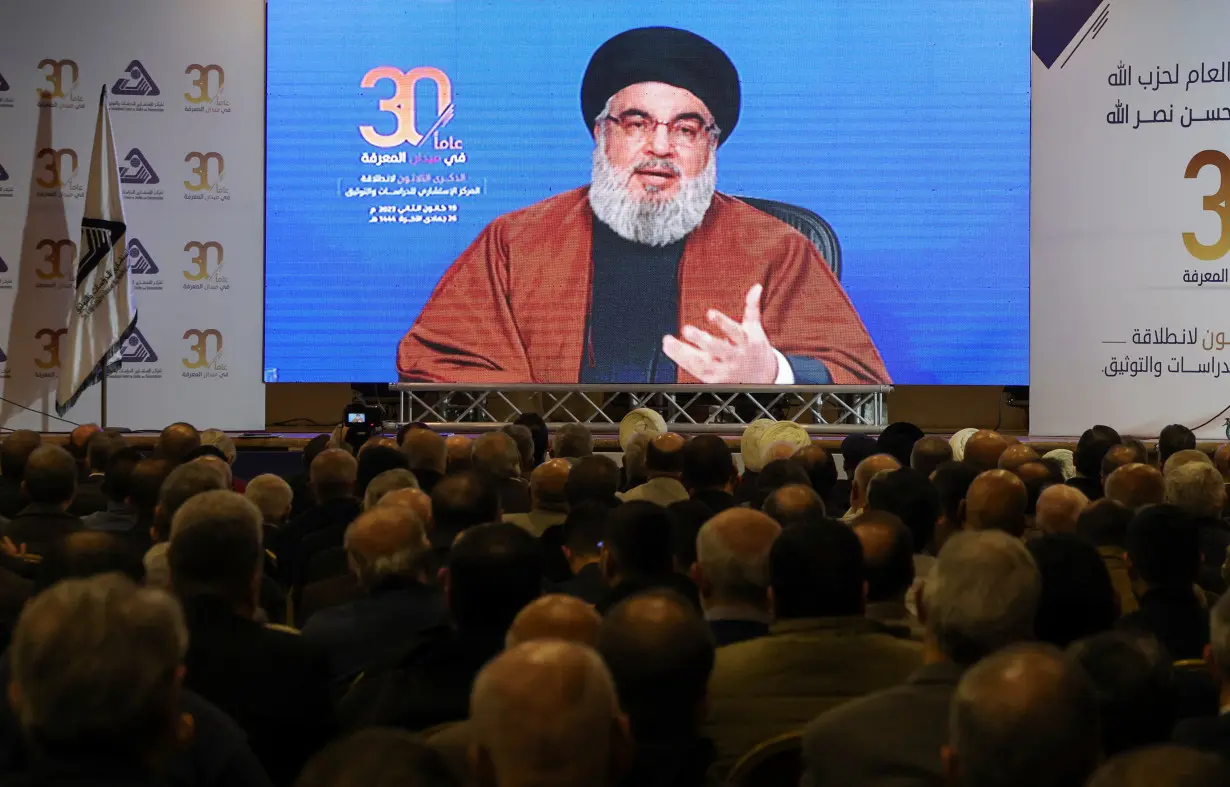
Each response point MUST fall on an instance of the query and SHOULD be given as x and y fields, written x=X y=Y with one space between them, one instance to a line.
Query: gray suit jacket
x=890 y=738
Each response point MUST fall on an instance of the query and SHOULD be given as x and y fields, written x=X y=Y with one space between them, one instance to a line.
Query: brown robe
x=513 y=307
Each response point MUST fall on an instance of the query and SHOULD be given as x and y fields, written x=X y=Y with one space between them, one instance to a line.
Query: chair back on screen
x=816 y=229
x=777 y=762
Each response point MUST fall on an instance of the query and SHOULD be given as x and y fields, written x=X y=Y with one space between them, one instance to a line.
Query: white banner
x=1130 y=230
x=187 y=108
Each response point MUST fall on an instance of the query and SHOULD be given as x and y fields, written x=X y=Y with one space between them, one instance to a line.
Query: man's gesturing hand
x=743 y=357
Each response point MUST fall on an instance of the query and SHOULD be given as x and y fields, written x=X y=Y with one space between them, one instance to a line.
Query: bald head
x=732 y=557
x=888 y=555
x=497 y=454
x=867 y=470
x=1024 y=716
x=416 y=500
x=664 y=455
x=1136 y=486
x=548 y=483
x=996 y=500
x=1059 y=506
x=794 y=504
x=929 y=453
x=983 y=449
x=79 y=439
x=1015 y=455
x=457 y=447
x=385 y=542
x=426 y=450
x=177 y=441
x=545 y=712
x=555 y=616
x=333 y=474
x=1117 y=457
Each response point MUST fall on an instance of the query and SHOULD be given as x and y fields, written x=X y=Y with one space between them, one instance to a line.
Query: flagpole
x=102 y=392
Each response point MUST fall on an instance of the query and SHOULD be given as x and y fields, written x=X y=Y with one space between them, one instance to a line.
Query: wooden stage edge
x=295 y=441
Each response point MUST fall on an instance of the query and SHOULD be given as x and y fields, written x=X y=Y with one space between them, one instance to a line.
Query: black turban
x=668 y=55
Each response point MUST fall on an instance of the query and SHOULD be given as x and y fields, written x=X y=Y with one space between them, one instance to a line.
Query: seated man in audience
x=459 y=502
x=1058 y=509
x=909 y=495
x=1023 y=717
x=821 y=651
x=14 y=454
x=854 y=449
x=1199 y=491
x=637 y=554
x=687 y=518
x=888 y=559
x=952 y=481
x=795 y=504
x=275 y=499
x=1133 y=679
x=820 y=466
x=663 y=469
x=584 y=531
x=980 y=597
x=539 y=432
x=546 y=713
x=78 y=446
x=732 y=573
x=524 y=439
x=1173 y=439
x=1105 y=524
x=332 y=480
x=867 y=469
x=377 y=758
x=1212 y=734
x=929 y=453
x=548 y=498
x=273 y=683
x=300 y=482
x=1016 y=455
x=995 y=501
x=49 y=483
x=493 y=571
x=144 y=487
x=1091 y=449
x=1162 y=766
x=983 y=449
x=1117 y=457
x=176 y=443
x=632 y=470
x=593 y=479
x=428 y=455
x=387 y=550
x=898 y=440
x=776 y=474
x=572 y=441
x=458 y=450
x=1136 y=486
x=1185 y=457
x=497 y=455
x=90 y=497
x=119 y=516
x=181 y=485
x=374 y=458
x=709 y=472
x=97 y=666
x=661 y=655
x=386 y=482
x=1163 y=551
x=1078 y=599
x=222 y=442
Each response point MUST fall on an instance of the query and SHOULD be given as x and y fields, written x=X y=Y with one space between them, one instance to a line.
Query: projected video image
x=596 y=193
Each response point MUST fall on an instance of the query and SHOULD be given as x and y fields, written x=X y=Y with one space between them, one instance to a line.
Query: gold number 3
x=1216 y=202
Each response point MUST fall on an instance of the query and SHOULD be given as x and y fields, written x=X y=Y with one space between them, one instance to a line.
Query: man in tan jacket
x=821 y=651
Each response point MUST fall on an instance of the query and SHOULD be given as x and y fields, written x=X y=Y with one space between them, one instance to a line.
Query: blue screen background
x=904 y=124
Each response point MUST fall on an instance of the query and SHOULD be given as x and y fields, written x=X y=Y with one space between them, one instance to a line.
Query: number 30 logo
x=401 y=104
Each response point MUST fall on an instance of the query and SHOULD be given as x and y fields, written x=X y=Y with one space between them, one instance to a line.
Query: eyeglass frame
x=711 y=129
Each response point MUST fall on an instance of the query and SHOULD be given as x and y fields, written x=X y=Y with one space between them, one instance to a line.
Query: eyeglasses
x=683 y=132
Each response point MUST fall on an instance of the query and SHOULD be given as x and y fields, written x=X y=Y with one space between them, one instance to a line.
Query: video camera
x=362 y=420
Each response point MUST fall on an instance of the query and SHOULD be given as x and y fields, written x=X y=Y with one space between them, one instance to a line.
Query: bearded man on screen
x=648 y=275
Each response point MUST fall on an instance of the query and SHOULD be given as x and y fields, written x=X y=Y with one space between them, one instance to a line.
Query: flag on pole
x=103 y=313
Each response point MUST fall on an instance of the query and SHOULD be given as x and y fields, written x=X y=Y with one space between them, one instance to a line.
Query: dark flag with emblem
x=103 y=312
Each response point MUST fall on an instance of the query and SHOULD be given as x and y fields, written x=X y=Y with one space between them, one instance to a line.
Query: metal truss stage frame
x=694 y=409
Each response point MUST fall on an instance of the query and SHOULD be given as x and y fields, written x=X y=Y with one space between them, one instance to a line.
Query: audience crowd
x=517 y=610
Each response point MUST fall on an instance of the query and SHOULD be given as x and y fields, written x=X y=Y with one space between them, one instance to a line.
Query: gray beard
x=654 y=222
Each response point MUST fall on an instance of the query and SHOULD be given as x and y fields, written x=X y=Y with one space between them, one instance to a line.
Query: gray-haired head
x=272 y=495
x=524 y=439
x=732 y=556
x=496 y=454
x=635 y=454
x=96 y=666
x=222 y=441
x=1197 y=488
x=100 y=448
x=385 y=542
x=217 y=548
x=388 y=481
x=572 y=441
x=982 y=595
x=184 y=483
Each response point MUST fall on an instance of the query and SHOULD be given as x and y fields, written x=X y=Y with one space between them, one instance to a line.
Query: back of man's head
x=181 y=485
x=272 y=495
x=1174 y=438
x=983 y=449
x=1058 y=508
x=386 y=482
x=1118 y=456
x=539 y=431
x=996 y=500
x=775 y=475
x=707 y=463
x=952 y=481
x=1198 y=489
x=888 y=555
x=572 y=441
x=660 y=653
x=1163 y=546
x=496 y=454
x=118 y=476
x=795 y=504
x=177 y=441
x=15 y=452
x=313 y=448
x=909 y=495
x=79 y=441
x=524 y=440
x=51 y=476
x=555 y=616
x=374 y=460
x=593 y=479
x=898 y=440
x=462 y=500
x=88 y=553
x=929 y=453
x=1104 y=523
x=333 y=474
x=377 y=757
x=981 y=595
x=1163 y=766
x=732 y=557
x=493 y=571
x=1078 y=599
x=664 y=455
x=546 y=713
x=1024 y=716
x=1182 y=458
x=854 y=449
x=96 y=669
x=820 y=467
x=101 y=448
x=549 y=485
x=426 y=450
x=1090 y=450
x=638 y=541
x=216 y=548
x=1132 y=674
x=816 y=571
x=687 y=518
x=458 y=449
x=868 y=469
x=1136 y=485
x=386 y=543
x=145 y=486
x=585 y=529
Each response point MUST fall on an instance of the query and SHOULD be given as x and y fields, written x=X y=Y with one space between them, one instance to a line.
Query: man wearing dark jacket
x=14 y=454
x=1212 y=733
x=709 y=472
x=333 y=476
x=637 y=554
x=49 y=483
